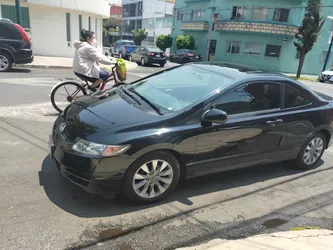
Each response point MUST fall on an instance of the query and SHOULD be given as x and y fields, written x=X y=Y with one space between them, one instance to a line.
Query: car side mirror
x=106 y=54
x=214 y=116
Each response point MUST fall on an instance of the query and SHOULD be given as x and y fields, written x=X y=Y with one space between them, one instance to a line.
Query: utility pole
x=210 y=30
x=18 y=12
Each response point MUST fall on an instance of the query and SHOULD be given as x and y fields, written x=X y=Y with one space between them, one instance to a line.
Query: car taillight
x=23 y=33
x=190 y=54
x=164 y=54
x=150 y=54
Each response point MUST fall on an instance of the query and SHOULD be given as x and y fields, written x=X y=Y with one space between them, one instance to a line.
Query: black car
x=148 y=55
x=185 y=56
x=15 y=46
x=196 y=119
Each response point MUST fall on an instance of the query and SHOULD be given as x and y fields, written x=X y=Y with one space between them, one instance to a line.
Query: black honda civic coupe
x=143 y=138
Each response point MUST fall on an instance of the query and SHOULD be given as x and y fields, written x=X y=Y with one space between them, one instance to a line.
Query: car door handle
x=273 y=122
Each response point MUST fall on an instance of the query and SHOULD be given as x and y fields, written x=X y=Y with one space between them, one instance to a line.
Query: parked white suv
x=326 y=75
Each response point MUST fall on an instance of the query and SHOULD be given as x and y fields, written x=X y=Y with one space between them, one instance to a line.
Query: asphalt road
x=39 y=209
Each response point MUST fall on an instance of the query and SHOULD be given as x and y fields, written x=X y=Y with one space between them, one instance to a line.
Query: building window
x=323 y=56
x=196 y=15
x=80 y=25
x=180 y=15
x=260 y=13
x=252 y=49
x=131 y=25
x=95 y=25
x=132 y=10
x=89 y=23
x=238 y=13
x=9 y=12
x=68 y=26
x=212 y=47
x=233 y=47
x=298 y=54
x=273 y=50
x=139 y=8
x=281 y=15
x=139 y=24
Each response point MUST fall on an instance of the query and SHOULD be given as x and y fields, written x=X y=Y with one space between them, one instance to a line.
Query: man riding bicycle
x=86 y=55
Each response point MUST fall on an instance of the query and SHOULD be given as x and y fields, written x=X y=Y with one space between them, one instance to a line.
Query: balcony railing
x=194 y=26
x=252 y=26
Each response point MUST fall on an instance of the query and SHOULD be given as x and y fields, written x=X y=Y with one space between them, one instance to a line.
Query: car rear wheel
x=143 y=62
x=312 y=151
x=162 y=64
x=151 y=177
x=321 y=81
x=6 y=62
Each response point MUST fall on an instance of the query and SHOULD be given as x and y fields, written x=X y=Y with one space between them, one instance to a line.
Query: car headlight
x=92 y=148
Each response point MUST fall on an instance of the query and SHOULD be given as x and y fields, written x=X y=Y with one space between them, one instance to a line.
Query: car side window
x=137 y=50
x=250 y=98
x=295 y=98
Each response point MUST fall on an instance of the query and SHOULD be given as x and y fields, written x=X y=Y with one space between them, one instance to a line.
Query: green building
x=258 y=33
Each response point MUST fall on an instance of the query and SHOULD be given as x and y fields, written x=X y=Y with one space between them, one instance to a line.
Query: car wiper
x=130 y=95
x=158 y=111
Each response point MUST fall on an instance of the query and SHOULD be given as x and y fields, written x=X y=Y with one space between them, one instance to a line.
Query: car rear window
x=153 y=49
x=127 y=43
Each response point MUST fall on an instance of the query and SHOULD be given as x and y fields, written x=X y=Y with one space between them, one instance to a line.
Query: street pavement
x=39 y=209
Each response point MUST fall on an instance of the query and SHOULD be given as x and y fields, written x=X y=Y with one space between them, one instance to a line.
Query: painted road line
x=41 y=82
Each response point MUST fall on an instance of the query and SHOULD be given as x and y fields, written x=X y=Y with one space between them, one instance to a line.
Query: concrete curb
x=43 y=66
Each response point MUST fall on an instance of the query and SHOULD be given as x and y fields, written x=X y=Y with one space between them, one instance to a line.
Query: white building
x=53 y=25
x=153 y=15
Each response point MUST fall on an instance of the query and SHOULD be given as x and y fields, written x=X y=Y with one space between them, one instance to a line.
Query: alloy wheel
x=4 y=62
x=152 y=179
x=313 y=150
x=142 y=61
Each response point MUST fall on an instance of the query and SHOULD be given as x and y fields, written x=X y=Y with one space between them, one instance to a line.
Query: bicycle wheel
x=63 y=94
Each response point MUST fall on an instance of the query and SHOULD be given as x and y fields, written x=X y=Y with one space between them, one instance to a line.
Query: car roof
x=126 y=41
x=238 y=71
x=5 y=20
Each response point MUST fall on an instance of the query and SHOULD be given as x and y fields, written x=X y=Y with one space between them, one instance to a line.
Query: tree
x=111 y=23
x=308 y=33
x=185 y=42
x=139 y=36
x=163 y=42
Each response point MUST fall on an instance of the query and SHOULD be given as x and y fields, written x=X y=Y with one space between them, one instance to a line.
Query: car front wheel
x=312 y=151
x=151 y=177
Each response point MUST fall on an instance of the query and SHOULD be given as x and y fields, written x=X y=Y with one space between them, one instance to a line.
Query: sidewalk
x=304 y=239
x=61 y=63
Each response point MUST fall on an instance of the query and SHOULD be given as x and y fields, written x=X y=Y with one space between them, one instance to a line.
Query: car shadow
x=19 y=70
x=76 y=201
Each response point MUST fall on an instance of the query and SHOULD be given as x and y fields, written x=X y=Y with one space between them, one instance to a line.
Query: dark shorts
x=103 y=74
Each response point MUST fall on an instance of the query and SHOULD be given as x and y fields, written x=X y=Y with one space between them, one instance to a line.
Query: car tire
x=142 y=62
x=162 y=64
x=321 y=81
x=6 y=62
x=130 y=59
x=171 y=59
x=312 y=151
x=120 y=55
x=142 y=182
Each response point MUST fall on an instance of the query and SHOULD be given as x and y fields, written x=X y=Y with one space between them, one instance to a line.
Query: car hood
x=105 y=111
x=327 y=73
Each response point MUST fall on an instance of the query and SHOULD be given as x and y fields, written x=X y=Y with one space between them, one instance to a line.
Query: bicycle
x=77 y=87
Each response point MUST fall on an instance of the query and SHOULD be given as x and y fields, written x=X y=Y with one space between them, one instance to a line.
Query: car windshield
x=181 y=87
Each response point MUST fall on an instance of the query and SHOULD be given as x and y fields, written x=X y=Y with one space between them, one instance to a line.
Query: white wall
x=48 y=30
x=98 y=7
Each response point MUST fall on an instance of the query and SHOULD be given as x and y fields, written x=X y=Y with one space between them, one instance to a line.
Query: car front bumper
x=95 y=175
x=324 y=77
